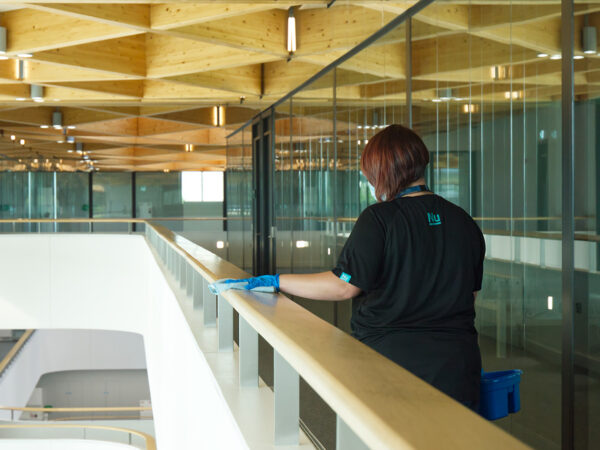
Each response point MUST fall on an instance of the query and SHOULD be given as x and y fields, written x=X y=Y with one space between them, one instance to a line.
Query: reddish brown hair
x=394 y=158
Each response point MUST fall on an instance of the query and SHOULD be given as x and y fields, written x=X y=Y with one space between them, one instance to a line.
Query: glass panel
x=73 y=200
x=111 y=199
x=158 y=195
x=488 y=108
x=587 y=227
x=238 y=199
x=282 y=182
x=13 y=199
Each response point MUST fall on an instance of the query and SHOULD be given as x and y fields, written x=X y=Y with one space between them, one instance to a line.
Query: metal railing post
x=287 y=402
x=197 y=297
x=189 y=288
x=209 y=306
x=248 y=340
x=345 y=438
x=182 y=272
x=225 y=329
x=177 y=268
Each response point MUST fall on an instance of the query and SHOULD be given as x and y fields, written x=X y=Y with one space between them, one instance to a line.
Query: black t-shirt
x=418 y=261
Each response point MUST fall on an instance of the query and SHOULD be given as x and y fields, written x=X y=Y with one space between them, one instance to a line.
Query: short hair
x=393 y=159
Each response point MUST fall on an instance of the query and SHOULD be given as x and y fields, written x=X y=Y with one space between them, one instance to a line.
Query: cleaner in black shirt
x=413 y=265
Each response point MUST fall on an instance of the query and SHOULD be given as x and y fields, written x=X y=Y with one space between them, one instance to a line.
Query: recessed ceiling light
x=60 y=142
x=3 y=57
x=578 y=57
x=24 y=55
x=542 y=55
x=71 y=127
x=20 y=99
x=555 y=57
x=70 y=151
x=43 y=126
x=38 y=100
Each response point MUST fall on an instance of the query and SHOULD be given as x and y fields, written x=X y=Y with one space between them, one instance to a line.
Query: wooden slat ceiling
x=138 y=81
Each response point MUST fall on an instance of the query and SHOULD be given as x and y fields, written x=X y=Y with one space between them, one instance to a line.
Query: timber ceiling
x=137 y=82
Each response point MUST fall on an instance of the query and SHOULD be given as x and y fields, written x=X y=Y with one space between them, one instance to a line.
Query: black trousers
x=448 y=360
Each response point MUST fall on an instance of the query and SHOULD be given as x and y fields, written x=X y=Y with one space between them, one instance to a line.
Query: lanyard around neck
x=412 y=189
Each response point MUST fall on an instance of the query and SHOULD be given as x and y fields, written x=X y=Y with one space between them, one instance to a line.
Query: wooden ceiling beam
x=123 y=56
x=114 y=127
x=158 y=89
x=170 y=56
x=127 y=111
x=79 y=95
x=151 y=126
x=541 y=36
x=80 y=116
x=39 y=72
x=436 y=56
x=121 y=15
x=260 y=32
x=382 y=61
x=31 y=31
x=12 y=91
x=32 y=116
x=174 y=15
x=242 y=80
x=324 y=30
x=125 y=88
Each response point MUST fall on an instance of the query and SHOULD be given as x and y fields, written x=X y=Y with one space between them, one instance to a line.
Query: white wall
x=94 y=389
x=112 y=282
x=59 y=350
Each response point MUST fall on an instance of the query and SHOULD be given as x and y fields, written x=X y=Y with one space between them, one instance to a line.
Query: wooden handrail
x=385 y=405
x=149 y=440
x=16 y=348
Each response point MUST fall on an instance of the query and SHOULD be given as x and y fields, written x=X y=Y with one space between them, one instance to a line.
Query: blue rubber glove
x=263 y=283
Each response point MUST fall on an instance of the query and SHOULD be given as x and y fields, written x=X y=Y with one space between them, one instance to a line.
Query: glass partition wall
x=482 y=84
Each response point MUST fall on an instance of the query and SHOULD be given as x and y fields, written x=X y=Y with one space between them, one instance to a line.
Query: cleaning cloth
x=264 y=283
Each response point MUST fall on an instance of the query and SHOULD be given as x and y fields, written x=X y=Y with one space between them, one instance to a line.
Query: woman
x=413 y=265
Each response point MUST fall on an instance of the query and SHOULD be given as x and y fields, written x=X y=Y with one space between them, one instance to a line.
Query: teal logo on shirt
x=345 y=277
x=433 y=219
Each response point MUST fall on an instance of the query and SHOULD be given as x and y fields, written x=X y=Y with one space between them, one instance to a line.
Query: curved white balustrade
x=62 y=444
x=113 y=282
x=61 y=350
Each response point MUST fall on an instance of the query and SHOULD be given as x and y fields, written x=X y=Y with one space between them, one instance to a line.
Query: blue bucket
x=500 y=393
